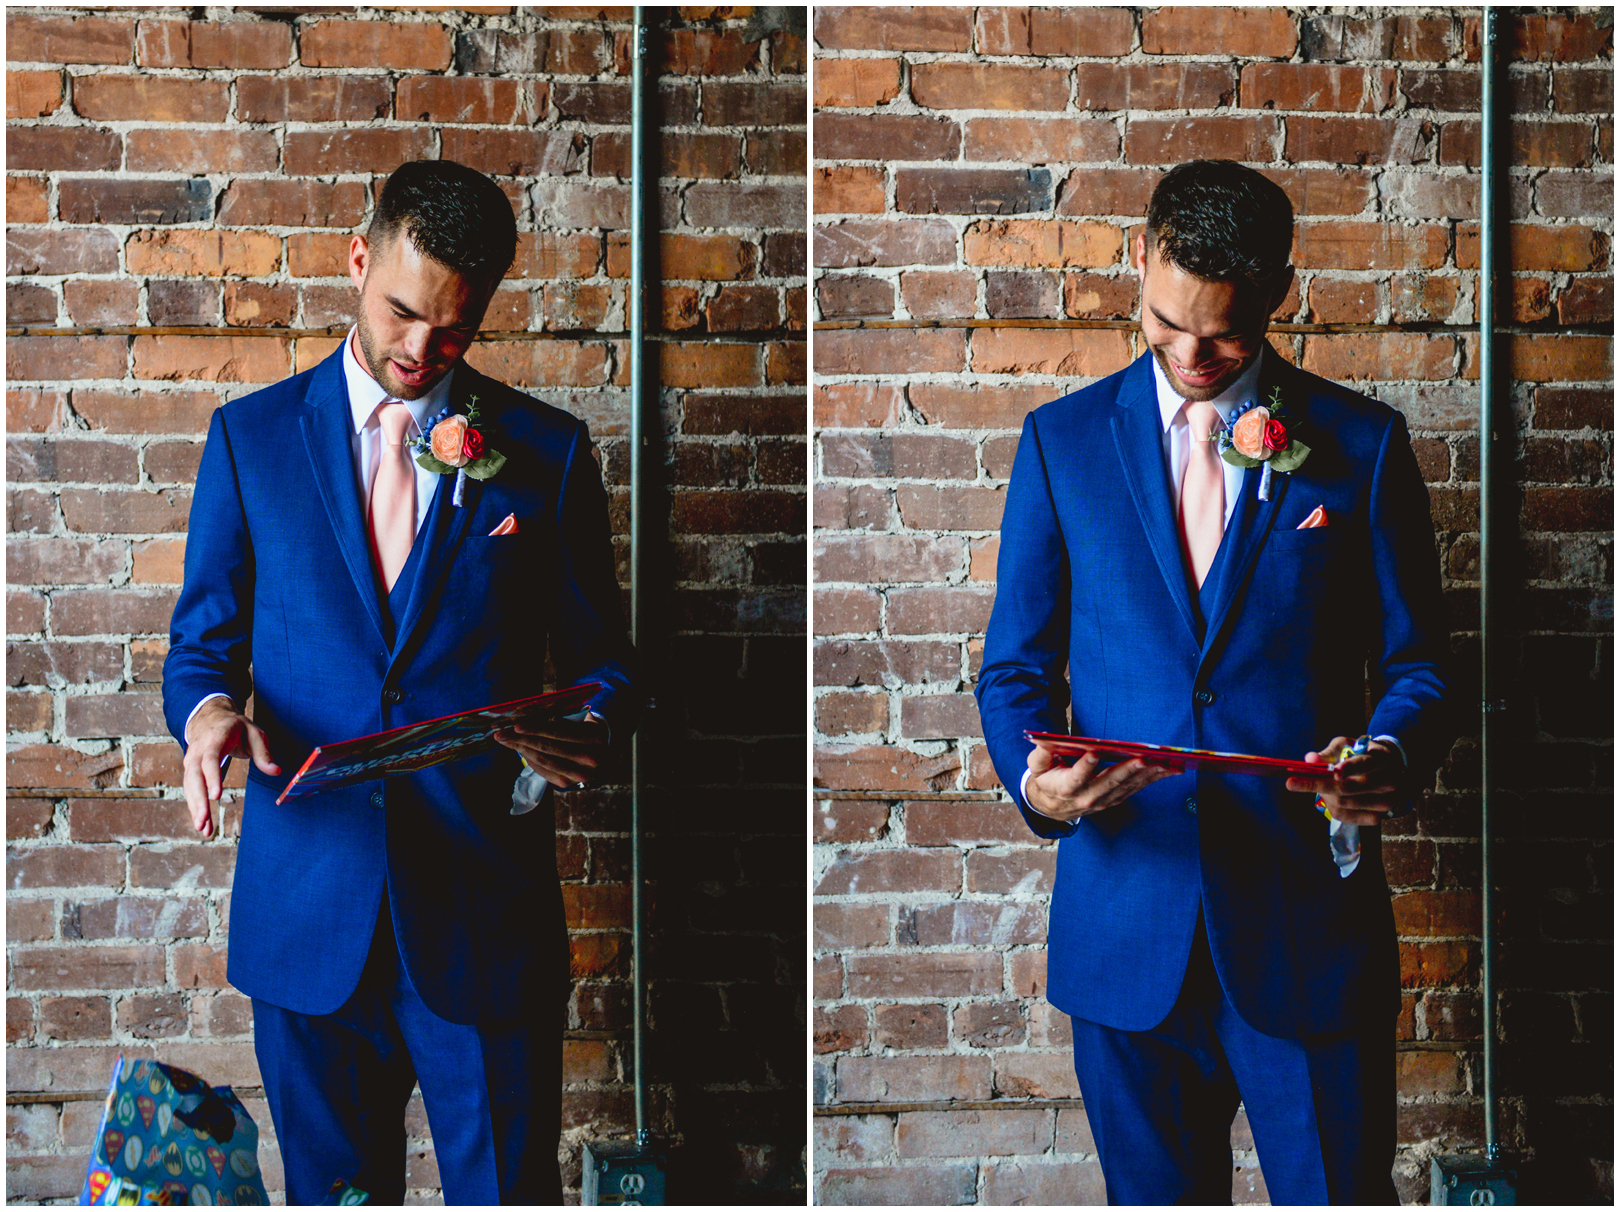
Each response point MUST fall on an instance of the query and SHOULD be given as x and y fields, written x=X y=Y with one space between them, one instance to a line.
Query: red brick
x=1040 y=140
x=1349 y=245
x=25 y=613
x=62 y=968
x=939 y=296
x=1066 y=1182
x=1536 y=144
x=208 y=44
x=1174 y=140
x=137 y=201
x=284 y=98
x=1315 y=86
x=1052 y=243
x=848 y=190
x=703 y=364
x=176 y=412
x=842 y=715
x=30 y=304
x=1551 y=358
x=1587 y=301
x=1121 y=86
x=1425 y=965
x=259 y=305
x=32 y=94
x=1066 y=352
x=58 y=358
x=1380 y=356
x=39 y=39
x=947 y=85
x=917 y=28
x=1241 y=32
x=977 y=407
x=26 y=200
x=1098 y=296
x=542 y=363
x=859 y=83
x=197 y=864
x=1036 y=1075
x=1567 y=509
x=460 y=99
x=76 y=1018
x=881 y=137
x=840 y=926
x=1550 y=36
x=57 y=766
x=1568 y=247
x=61 y=252
x=403 y=46
x=913 y=1078
x=57 y=561
x=915 y=1186
x=947 y=824
x=857 y=405
x=1424 y=39
x=894 y=351
x=839 y=821
x=709 y=52
x=859 y=768
x=1430 y=914
x=314 y=153
x=974 y=924
x=856 y=242
x=1582 y=90
x=847 y=296
x=840 y=1029
x=1026 y=872
x=199 y=966
x=63 y=148
x=214 y=359
x=114 y=98
x=202 y=253
x=553 y=255
x=214 y=151
x=1359 y=140
x=949 y=507
x=1065 y=32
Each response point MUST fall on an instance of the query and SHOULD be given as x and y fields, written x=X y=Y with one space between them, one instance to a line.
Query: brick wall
x=978 y=172
x=180 y=197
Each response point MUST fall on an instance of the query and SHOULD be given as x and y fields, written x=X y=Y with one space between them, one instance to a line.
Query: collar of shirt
x=365 y=393
x=1176 y=442
x=1245 y=389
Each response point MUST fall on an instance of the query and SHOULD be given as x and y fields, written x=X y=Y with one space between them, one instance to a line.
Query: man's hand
x=1363 y=791
x=1067 y=793
x=218 y=731
x=566 y=753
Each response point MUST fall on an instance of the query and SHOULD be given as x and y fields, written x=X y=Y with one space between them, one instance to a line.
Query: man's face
x=1204 y=334
x=417 y=317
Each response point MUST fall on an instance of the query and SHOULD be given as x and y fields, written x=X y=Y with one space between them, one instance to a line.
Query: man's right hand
x=216 y=732
x=1067 y=793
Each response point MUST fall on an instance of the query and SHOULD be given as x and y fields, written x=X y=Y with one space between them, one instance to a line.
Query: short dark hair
x=451 y=213
x=1223 y=221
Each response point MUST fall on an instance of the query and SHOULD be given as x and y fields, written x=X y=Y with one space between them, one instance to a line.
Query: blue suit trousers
x=338 y=1084
x=1161 y=1103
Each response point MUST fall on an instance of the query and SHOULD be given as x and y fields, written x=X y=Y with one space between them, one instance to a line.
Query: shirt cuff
x=1023 y=795
x=1396 y=746
x=186 y=727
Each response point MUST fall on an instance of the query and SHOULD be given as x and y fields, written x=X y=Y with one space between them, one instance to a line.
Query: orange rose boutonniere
x=1263 y=437
x=454 y=443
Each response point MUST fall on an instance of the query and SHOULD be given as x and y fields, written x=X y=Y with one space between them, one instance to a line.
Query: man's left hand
x=1365 y=790
x=566 y=753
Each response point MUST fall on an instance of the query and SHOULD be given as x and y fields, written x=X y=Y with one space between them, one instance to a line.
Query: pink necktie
x=1203 y=491
x=393 y=493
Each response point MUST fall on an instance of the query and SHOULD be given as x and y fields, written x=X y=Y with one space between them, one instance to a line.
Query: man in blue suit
x=1210 y=939
x=409 y=929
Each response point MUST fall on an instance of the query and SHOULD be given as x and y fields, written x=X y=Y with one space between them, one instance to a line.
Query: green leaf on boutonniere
x=427 y=460
x=1237 y=459
x=485 y=467
x=1290 y=459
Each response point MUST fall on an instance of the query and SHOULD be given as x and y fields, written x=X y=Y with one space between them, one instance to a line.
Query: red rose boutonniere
x=454 y=443
x=1263 y=437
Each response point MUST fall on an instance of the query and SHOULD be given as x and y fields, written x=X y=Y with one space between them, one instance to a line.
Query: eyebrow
x=403 y=308
x=1220 y=336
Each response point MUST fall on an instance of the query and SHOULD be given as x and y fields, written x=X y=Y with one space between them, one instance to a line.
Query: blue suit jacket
x=279 y=579
x=1091 y=584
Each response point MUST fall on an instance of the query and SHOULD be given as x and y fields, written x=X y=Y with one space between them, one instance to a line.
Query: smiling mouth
x=1202 y=375
x=411 y=375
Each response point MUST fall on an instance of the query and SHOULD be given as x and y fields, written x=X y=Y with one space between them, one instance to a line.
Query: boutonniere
x=1263 y=437
x=454 y=443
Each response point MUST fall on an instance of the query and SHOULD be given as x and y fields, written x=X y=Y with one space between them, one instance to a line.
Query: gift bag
x=168 y=1137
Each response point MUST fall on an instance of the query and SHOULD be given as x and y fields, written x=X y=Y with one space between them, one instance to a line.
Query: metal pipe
x=638 y=541
x=1490 y=455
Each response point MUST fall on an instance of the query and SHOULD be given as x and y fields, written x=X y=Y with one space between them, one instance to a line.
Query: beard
x=381 y=365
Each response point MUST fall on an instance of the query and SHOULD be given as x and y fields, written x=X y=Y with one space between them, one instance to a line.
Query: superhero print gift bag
x=168 y=1137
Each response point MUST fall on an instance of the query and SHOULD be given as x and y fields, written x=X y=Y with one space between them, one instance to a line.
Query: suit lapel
x=1139 y=438
x=1251 y=521
x=328 y=439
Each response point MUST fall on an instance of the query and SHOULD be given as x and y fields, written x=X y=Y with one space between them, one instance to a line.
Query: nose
x=418 y=341
x=1193 y=352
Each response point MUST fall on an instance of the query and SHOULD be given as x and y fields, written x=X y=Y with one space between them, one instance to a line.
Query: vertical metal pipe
x=1490 y=453
x=638 y=539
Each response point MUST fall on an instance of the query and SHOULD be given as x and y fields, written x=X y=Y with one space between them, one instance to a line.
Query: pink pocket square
x=1317 y=518
x=508 y=526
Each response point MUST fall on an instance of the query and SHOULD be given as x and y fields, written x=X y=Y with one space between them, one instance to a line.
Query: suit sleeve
x=1411 y=643
x=1022 y=684
x=210 y=635
x=589 y=642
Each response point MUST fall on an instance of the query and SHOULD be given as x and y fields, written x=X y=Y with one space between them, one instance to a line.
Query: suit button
x=1204 y=698
x=1191 y=805
x=393 y=695
x=377 y=799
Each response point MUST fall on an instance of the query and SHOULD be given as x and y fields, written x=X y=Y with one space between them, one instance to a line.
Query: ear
x=1139 y=253
x=359 y=259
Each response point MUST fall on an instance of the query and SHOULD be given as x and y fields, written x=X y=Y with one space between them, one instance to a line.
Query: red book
x=418 y=746
x=1172 y=756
